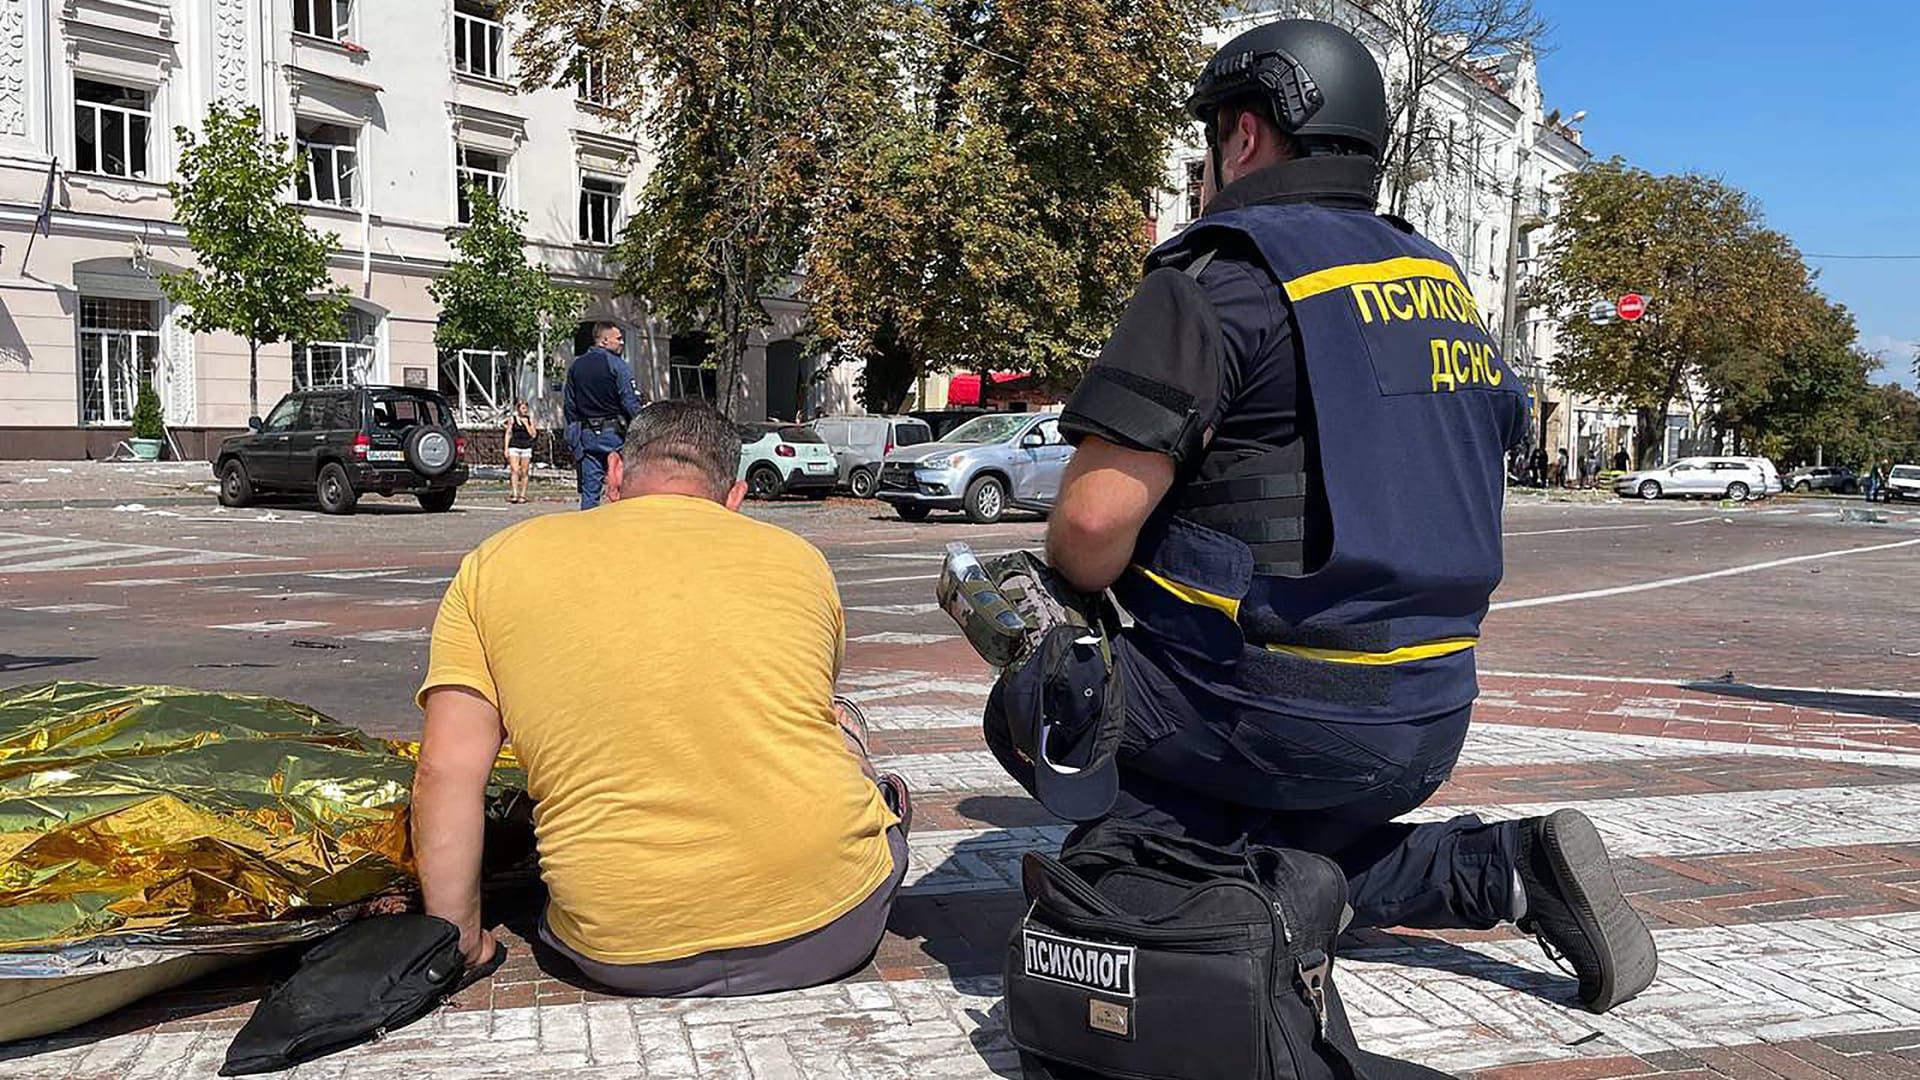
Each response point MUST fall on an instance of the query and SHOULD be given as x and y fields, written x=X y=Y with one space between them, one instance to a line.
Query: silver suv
x=986 y=466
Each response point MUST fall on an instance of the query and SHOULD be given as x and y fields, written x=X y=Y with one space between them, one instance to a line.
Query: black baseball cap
x=1066 y=713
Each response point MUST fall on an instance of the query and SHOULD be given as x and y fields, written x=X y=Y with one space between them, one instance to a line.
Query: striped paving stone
x=1768 y=841
x=1460 y=1008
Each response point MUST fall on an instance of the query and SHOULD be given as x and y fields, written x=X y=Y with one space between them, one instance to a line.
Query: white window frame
x=591 y=86
x=491 y=61
x=341 y=11
x=464 y=174
x=356 y=357
x=679 y=374
x=489 y=408
x=1192 y=198
x=331 y=153
x=98 y=125
x=614 y=198
x=116 y=409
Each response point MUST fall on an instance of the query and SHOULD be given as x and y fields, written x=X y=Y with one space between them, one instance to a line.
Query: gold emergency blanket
x=126 y=810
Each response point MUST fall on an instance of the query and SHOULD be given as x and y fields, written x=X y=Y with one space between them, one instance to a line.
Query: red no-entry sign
x=1631 y=306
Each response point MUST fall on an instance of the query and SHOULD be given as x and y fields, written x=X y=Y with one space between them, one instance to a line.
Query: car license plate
x=819 y=466
x=386 y=455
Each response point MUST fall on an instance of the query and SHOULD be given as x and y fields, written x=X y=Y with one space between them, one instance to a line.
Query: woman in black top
x=519 y=436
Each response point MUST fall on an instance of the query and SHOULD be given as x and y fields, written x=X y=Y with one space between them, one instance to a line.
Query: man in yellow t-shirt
x=706 y=818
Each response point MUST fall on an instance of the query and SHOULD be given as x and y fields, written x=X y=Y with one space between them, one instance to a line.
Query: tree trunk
x=253 y=378
x=1650 y=433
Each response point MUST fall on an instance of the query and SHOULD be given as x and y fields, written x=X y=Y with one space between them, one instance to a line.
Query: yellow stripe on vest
x=1339 y=277
x=1425 y=651
x=1231 y=607
x=1192 y=595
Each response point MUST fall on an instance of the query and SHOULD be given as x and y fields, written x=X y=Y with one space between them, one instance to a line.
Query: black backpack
x=365 y=979
x=1145 y=956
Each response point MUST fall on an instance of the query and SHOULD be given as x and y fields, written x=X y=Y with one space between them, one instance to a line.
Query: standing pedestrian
x=1620 y=461
x=600 y=401
x=1592 y=470
x=519 y=443
x=1537 y=467
x=1560 y=467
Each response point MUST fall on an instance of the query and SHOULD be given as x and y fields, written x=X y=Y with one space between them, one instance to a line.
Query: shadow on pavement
x=14 y=662
x=1889 y=708
x=1419 y=951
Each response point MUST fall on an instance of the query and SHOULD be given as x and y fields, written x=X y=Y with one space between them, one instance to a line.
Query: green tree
x=260 y=271
x=1718 y=285
x=741 y=101
x=993 y=215
x=1801 y=402
x=490 y=297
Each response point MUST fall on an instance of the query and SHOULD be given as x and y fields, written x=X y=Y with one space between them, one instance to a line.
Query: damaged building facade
x=398 y=107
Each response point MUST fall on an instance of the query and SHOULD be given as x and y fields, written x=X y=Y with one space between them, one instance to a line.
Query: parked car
x=342 y=443
x=1823 y=478
x=1903 y=482
x=1702 y=477
x=986 y=466
x=861 y=443
x=1768 y=472
x=780 y=459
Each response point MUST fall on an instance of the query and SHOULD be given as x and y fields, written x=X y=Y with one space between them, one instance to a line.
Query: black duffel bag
x=1146 y=956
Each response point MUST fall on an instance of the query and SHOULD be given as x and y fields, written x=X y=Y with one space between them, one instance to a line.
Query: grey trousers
x=817 y=956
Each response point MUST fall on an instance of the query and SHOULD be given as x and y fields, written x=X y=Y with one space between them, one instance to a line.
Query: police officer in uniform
x=600 y=402
x=1290 y=472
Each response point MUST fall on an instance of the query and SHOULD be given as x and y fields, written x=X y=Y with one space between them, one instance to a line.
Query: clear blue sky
x=1815 y=109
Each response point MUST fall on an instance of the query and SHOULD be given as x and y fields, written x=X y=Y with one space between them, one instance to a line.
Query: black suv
x=340 y=443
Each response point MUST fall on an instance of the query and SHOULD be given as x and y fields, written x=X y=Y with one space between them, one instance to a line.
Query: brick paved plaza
x=1731 y=695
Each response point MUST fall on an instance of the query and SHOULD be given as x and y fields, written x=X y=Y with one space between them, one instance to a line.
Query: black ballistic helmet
x=1315 y=80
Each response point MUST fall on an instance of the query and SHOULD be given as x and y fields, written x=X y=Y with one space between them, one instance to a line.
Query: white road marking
x=928 y=578
x=72 y=609
x=1686 y=684
x=129 y=583
x=1488 y=745
x=890 y=638
x=26 y=553
x=357 y=575
x=269 y=626
x=896 y=609
x=392 y=637
x=421 y=580
x=401 y=601
x=969 y=860
x=1612 y=528
x=1690 y=579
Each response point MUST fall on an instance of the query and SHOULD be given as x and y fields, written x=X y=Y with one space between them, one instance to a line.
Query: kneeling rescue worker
x=1290 y=473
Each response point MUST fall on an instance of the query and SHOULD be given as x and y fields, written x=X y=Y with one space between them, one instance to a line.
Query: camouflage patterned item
x=1006 y=604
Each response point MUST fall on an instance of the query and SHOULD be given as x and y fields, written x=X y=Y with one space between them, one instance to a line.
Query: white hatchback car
x=1697 y=477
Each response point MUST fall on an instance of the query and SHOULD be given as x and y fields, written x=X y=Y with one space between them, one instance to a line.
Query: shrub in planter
x=147 y=423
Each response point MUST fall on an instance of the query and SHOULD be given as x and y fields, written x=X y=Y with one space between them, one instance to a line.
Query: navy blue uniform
x=1308 y=596
x=600 y=401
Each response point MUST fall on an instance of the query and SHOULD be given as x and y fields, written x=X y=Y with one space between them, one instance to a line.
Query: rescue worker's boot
x=1574 y=907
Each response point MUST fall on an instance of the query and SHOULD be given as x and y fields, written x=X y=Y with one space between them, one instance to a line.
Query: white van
x=860 y=442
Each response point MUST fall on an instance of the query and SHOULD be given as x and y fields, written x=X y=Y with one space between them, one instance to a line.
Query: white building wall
x=391 y=80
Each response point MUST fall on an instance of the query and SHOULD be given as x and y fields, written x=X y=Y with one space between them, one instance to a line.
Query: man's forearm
x=449 y=834
x=1106 y=496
